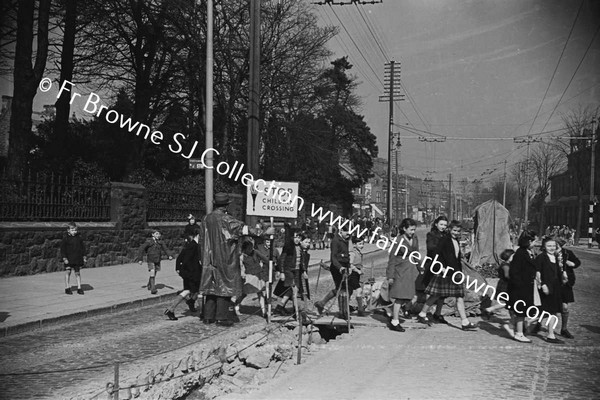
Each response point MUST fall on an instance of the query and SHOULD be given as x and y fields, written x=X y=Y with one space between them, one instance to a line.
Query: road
x=88 y=349
x=443 y=362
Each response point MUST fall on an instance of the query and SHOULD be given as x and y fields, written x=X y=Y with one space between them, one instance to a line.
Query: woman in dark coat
x=434 y=236
x=401 y=272
x=549 y=275
x=568 y=262
x=521 y=283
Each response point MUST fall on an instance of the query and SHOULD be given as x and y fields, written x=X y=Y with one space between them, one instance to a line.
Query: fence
x=45 y=197
x=173 y=205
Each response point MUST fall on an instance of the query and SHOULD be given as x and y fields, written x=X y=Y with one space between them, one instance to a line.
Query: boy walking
x=154 y=249
x=72 y=251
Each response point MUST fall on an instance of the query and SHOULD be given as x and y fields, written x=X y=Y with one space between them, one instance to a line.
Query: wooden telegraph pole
x=391 y=94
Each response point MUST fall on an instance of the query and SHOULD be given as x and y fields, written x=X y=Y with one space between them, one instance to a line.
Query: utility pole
x=254 y=96
x=527 y=140
x=208 y=170
x=397 y=201
x=504 y=193
x=391 y=94
x=592 y=187
x=450 y=197
x=406 y=195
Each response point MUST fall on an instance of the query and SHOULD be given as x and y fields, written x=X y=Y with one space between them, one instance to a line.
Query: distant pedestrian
x=189 y=268
x=321 y=230
x=221 y=272
x=401 y=272
x=191 y=227
x=72 y=251
x=568 y=261
x=154 y=249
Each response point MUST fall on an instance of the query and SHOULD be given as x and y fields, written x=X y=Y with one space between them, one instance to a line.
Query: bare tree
x=522 y=178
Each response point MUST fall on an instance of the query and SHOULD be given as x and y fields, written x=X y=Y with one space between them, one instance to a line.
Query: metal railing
x=49 y=197
x=173 y=205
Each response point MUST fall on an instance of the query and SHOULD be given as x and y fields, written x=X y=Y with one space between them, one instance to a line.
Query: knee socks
x=564 y=320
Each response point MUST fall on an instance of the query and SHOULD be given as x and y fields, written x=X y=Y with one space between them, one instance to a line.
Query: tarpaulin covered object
x=491 y=236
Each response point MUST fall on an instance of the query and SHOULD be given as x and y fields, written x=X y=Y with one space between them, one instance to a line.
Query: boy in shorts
x=154 y=250
x=72 y=251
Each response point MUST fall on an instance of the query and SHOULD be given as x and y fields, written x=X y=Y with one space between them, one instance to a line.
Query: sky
x=470 y=68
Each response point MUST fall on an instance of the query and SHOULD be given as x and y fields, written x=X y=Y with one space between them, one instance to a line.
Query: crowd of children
x=542 y=281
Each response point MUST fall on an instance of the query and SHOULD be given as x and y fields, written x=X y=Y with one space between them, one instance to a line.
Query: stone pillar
x=128 y=206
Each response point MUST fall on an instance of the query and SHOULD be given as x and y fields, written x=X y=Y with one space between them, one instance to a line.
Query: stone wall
x=28 y=248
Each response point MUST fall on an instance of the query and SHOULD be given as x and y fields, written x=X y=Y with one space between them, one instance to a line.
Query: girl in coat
x=437 y=233
x=568 y=262
x=443 y=284
x=401 y=272
x=521 y=277
x=549 y=275
x=293 y=271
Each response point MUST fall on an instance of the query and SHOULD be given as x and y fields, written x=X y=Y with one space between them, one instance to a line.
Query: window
x=379 y=197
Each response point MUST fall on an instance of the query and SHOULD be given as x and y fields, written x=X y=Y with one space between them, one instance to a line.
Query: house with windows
x=563 y=207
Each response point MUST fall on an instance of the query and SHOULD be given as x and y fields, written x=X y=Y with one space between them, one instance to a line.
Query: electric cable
x=556 y=68
x=572 y=76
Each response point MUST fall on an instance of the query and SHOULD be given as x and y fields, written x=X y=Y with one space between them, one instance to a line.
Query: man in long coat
x=221 y=274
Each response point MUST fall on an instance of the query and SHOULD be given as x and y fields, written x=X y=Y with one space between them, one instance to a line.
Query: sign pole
x=270 y=281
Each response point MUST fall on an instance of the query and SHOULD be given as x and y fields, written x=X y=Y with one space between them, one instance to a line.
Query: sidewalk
x=35 y=301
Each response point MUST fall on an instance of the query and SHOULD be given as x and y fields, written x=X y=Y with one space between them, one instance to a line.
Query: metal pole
x=527 y=185
x=116 y=387
x=390 y=145
x=406 y=195
x=268 y=295
x=208 y=171
x=396 y=192
x=592 y=188
x=254 y=96
x=504 y=193
x=450 y=196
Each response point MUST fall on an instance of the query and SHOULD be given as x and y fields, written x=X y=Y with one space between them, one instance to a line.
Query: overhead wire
x=556 y=68
x=572 y=76
x=339 y=39
x=356 y=46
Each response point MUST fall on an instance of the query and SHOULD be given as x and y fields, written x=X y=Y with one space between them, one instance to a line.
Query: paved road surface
x=443 y=362
x=129 y=337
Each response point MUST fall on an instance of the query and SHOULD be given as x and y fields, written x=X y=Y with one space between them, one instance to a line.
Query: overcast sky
x=472 y=68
